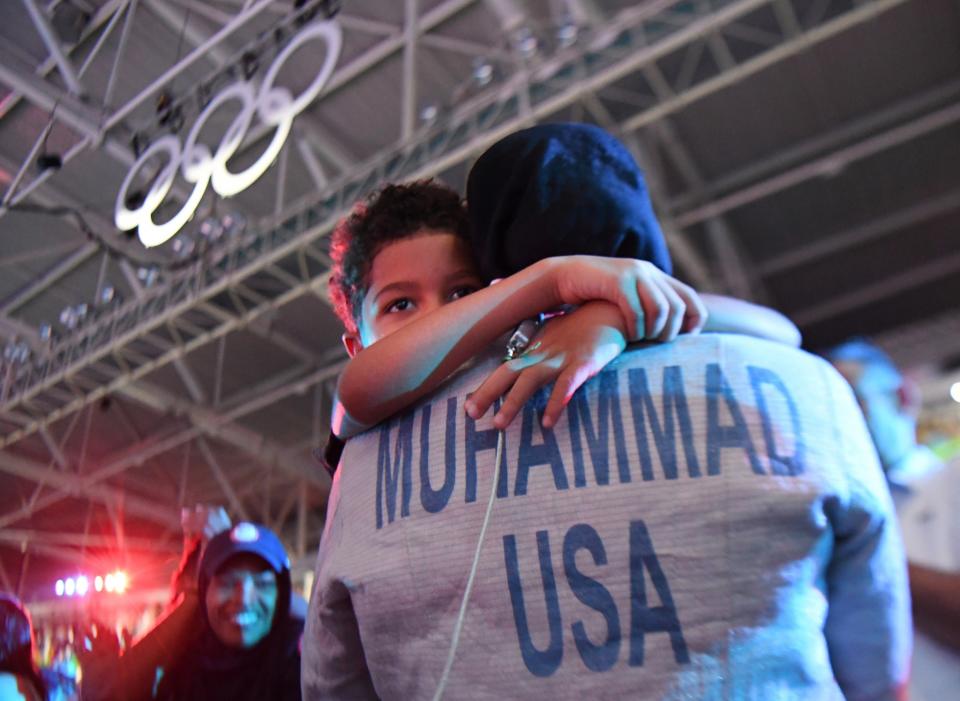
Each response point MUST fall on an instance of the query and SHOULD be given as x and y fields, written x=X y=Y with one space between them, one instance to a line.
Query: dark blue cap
x=560 y=189
x=244 y=537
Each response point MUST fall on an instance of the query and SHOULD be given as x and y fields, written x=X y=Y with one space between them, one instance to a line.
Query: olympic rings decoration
x=275 y=107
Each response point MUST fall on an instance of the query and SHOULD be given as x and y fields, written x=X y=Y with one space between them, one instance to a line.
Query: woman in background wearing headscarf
x=231 y=635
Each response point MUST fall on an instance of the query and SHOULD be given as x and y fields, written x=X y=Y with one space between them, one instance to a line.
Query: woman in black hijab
x=248 y=644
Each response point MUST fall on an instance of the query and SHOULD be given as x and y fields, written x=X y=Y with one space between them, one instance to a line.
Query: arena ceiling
x=802 y=153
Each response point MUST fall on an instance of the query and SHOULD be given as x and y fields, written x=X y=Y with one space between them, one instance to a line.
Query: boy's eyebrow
x=399 y=286
x=462 y=273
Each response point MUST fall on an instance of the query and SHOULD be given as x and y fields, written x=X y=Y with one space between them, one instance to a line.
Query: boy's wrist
x=548 y=269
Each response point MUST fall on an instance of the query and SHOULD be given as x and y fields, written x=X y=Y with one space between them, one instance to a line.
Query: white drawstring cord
x=516 y=346
x=455 y=641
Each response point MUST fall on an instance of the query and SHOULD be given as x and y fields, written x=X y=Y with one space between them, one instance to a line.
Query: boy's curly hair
x=393 y=213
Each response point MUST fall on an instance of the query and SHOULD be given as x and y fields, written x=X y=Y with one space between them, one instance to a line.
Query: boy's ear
x=351 y=342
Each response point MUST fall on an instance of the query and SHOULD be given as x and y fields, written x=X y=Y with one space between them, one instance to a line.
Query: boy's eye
x=462 y=292
x=399 y=305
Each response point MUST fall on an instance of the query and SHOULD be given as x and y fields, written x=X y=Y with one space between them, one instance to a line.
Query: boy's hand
x=569 y=350
x=654 y=305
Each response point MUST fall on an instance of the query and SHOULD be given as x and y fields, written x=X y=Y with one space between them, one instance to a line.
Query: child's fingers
x=656 y=309
x=528 y=382
x=498 y=382
x=632 y=309
x=696 y=311
x=569 y=381
x=675 y=311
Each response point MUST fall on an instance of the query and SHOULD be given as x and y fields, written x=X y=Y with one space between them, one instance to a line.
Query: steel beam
x=53 y=46
x=882 y=289
x=508 y=12
x=408 y=97
x=46 y=279
x=828 y=165
x=79 y=540
x=873 y=229
x=312 y=220
x=811 y=38
x=212 y=423
x=238 y=508
x=69 y=484
x=738 y=275
x=78 y=116
x=157 y=445
x=183 y=64
x=387 y=48
x=194 y=388
x=175 y=20
x=831 y=140
x=106 y=12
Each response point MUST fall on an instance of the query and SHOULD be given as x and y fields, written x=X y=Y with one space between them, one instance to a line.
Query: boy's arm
x=730 y=315
x=411 y=362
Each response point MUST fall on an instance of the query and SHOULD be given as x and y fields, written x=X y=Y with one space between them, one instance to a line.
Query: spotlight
x=955 y=392
x=83 y=586
x=482 y=72
x=233 y=223
x=120 y=581
x=148 y=276
x=68 y=318
x=58 y=587
x=184 y=245
x=211 y=229
x=428 y=113
x=567 y=34
x=107 y=294
x=98 y=583
x=108 y=583
x=69 y=586
x=16 y=351
x=526 y=42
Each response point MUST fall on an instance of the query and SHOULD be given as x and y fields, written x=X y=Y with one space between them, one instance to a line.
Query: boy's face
x=412 y=277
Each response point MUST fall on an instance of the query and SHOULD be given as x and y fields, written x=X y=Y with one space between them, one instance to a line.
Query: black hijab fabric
x=209 y=671
x=560 y=189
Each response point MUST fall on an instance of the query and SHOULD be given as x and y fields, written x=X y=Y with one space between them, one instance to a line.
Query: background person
x=19 y=674
x=248 y=647
x=231 y=633
x=926 y=493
